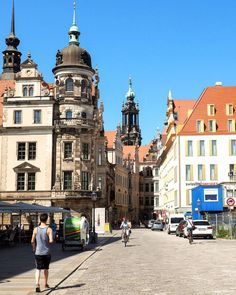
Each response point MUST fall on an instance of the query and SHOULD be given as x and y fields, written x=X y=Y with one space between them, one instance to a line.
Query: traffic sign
x=230 y=202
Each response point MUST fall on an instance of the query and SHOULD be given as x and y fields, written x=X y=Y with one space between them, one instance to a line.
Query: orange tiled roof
x=3 y=85
x=111 y=136
x=143 y=151
x=129 y=149
x=219 y=96
x=182 y=107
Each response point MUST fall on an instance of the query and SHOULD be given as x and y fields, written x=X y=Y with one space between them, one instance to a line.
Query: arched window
x=83 y=86
x=25 y=91
x=68 y=115
x=69 y=84
x=31 y=91
x=10 y=60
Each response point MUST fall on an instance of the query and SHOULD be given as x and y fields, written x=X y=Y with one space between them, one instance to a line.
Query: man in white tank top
x=42 y=237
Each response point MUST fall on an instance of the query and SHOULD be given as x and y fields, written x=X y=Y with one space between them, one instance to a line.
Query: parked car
x=174 y=221
x=157 y=225
x=150 y=223
x=202 y=229
x=180 y=228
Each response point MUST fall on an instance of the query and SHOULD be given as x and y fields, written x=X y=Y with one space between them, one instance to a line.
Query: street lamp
x=198 y=206
x=94 y=199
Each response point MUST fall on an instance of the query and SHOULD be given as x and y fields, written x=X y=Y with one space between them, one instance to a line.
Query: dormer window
x=211 y=110
x=229 y=109
x=69 y=84
x=28 y=90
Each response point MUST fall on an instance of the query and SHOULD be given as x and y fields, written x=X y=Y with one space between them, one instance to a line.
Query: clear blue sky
x=181 y=45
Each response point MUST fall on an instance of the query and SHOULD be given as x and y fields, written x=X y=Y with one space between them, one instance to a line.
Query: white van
x=174 y=221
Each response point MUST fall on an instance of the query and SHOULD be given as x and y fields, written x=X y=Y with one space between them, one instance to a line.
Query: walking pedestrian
x=41 y=238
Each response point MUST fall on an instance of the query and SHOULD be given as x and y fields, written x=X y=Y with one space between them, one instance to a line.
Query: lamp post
x=198 y=206
x=94 y=199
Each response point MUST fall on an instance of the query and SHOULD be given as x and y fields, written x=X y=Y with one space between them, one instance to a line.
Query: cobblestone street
x=152 y=263
x=157 y=263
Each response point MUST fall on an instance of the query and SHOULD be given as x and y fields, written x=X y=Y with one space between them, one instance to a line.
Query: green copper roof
x=130 y=93
x=74 y=30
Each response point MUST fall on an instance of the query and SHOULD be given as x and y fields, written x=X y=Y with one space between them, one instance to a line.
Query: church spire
x=13 y=19
x=74 y=30
x=11 y=56
x=130 y=94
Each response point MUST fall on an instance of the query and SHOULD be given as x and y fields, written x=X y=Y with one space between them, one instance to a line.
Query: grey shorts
x=42 y=261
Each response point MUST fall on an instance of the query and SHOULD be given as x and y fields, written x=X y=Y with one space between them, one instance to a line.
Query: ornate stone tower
x=131 y=133
x=79 y=132
x=11 y=56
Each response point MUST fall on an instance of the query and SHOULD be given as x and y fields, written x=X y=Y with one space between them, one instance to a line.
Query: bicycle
x=190 y=236
x=125 y=237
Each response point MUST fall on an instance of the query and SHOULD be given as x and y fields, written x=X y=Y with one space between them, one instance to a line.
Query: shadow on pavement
x=67 y=287
x=20 y=258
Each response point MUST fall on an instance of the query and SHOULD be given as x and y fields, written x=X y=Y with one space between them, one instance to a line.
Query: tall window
x=231 y=125
x=200 y=126
x=152 y=187
x=17 y=117
x=67 y=183
x=229 y=109
x=28 y=90
x=37 y=116
x=233 y=147
x=100 y=182
x=25 y=181
x=156 y=187
x=213 y=148
x=84 y=180
x=83 y=86
x=21 y=150
x=67 y=150
x=26 y=148
x=146 y=187
x=213 y=172
x=68 y=115
x=210 y=109
x=99 y=156
x=85 y=151
x=189 y=148
x=212 y=125
x=69 y=84
x=189 y=172
x=201 y=148
x=31 y=90
x=201 y=174
x=31 y=150
x=31 y=181
x=20 y=181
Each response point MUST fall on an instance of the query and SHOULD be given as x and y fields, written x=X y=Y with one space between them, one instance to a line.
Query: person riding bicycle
x=125 y=228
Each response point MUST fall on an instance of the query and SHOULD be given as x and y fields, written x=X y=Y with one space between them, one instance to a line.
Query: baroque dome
x=73 y=55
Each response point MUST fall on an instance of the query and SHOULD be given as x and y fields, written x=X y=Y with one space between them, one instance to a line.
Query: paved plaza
x=152 y=263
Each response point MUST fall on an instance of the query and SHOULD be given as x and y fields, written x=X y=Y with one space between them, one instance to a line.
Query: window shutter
x=186 y=148
x=216 y=172
x=230 y=148
x=233 y=125
x=202 y=126
x=214 y=125
x=203 y=173
x=210 y=147
x=187 y=197
x=198 y=147
x=191 y=172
